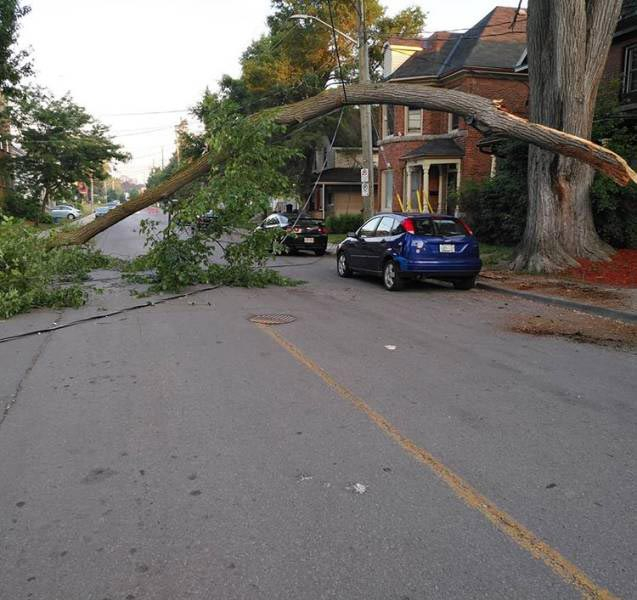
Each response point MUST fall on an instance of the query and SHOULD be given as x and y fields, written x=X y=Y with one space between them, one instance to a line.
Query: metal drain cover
x=273 y=319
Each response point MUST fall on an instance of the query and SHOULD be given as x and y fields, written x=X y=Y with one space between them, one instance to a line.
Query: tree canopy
x=62 y=144
x=14 y=64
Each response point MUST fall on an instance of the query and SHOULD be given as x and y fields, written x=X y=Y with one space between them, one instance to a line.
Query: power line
x=150 y=112
x=338 y=57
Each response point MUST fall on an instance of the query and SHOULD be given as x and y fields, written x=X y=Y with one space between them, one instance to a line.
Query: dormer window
x=414 y=120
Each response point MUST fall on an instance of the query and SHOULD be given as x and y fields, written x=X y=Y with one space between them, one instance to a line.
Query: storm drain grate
x=273 y=319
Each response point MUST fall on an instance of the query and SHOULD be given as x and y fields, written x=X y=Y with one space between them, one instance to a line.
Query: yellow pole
x=420 y=207
x=400 y=202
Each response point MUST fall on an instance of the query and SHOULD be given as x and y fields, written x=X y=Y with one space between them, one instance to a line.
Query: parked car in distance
x=65 y=211
x=401 y=246
x=204 y=221
x=102 y=210
x=301 y=231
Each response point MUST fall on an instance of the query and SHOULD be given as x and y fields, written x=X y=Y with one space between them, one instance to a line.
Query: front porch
x=432 y=177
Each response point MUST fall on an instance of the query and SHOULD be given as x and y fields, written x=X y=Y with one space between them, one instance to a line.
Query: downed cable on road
x=114 y=313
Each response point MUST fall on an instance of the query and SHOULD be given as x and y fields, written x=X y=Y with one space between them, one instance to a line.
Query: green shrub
x=32 y=276
x=344 y=223
x=496 y=208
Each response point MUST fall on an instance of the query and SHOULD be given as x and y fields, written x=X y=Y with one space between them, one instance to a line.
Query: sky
x=138 y=65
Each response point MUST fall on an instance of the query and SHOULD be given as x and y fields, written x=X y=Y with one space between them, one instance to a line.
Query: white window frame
x=630 y=69
x=450 y=127
x=408 y=111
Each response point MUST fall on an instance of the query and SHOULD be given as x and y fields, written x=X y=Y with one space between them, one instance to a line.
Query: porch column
x=458 y=172
x=323 y=199
x=425 y=185
x=407 y=198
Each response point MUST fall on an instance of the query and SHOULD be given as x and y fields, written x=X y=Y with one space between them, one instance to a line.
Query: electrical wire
x=338 y=57
x=318 y=177
x=114 y=313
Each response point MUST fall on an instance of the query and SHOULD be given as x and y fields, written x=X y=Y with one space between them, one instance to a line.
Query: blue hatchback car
x=401 y=246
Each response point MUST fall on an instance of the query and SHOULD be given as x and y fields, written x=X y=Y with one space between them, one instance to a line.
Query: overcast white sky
x=118 y=57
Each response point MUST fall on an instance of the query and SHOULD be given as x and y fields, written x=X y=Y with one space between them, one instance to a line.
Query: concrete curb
x=598 y=311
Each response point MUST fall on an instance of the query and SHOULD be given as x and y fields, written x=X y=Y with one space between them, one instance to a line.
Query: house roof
x=343 y=176
x=438 y=147
x=495 y=42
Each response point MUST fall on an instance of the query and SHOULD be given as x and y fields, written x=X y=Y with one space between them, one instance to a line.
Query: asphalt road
x=382 y=446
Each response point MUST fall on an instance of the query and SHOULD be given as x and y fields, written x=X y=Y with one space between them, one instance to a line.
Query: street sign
x=365 y=177
x=365 y=189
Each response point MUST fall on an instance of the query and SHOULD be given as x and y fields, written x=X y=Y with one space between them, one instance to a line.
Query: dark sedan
x=301 y=231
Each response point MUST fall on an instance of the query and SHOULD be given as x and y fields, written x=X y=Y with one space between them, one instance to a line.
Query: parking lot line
x=522 y=536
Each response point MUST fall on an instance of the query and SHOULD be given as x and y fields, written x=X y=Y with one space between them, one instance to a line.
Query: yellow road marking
x=469 y=495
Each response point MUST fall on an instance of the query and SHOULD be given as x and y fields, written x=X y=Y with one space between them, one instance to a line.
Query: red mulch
x=621 y=271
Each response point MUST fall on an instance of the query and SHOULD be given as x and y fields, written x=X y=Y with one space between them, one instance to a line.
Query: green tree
x=614 y=207
x=238 y=187
x=62 y=144
x=295 y=60
x=14 y=64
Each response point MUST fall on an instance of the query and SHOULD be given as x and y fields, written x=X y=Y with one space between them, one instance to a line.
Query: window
x=630 y=73
x=449 y=227
x=454 y=122
x=388 y=189
x=414 y=120
x=424 y=226
x=368 y=229
x=388 y=120
x=385 y=227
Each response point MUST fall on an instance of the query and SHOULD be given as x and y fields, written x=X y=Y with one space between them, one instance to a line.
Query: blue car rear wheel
x=391 y=277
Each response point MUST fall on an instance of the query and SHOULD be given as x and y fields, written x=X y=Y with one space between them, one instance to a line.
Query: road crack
x=19 y=387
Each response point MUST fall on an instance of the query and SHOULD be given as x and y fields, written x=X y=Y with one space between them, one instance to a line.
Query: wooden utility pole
x=366 y=117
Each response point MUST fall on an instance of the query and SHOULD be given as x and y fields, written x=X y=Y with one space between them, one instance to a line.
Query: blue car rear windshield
x=439 y=227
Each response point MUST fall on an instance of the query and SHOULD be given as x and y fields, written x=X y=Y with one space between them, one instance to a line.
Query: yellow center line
x=523 y=537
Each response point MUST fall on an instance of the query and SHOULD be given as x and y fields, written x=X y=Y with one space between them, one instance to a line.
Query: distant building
x=424 y=155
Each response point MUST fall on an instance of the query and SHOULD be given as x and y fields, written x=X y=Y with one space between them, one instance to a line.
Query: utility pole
x=366 y=117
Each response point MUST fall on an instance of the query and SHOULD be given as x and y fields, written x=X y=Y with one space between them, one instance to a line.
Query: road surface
x=382 y=446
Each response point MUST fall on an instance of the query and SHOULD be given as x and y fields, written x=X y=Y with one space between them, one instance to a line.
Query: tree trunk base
x=539 y=260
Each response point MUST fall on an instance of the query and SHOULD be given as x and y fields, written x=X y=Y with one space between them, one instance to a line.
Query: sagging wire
x=114 y=313
x=318 y=177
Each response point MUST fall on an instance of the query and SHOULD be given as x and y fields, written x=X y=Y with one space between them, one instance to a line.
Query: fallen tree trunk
x=488 y=116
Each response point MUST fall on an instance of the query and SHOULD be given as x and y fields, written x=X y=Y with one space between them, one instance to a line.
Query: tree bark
x=484 y=114
x=568 y=43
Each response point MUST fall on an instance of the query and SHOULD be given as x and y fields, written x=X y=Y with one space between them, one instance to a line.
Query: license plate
x=308 y=240
x=447 y=248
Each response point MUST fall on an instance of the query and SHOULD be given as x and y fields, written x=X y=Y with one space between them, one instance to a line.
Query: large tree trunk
x=485 y=114
x=568 y=42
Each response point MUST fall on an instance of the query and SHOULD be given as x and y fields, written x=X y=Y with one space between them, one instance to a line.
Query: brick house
x=622 y=58
x=424 y=155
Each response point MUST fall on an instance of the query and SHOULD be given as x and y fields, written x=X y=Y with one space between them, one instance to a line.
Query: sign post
x=365 y=183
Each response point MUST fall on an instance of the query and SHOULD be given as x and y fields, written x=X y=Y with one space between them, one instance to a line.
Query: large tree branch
x=485 y=114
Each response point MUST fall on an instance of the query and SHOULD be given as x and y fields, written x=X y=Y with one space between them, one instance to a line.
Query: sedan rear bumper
x=298 y=243
x=438 y=268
